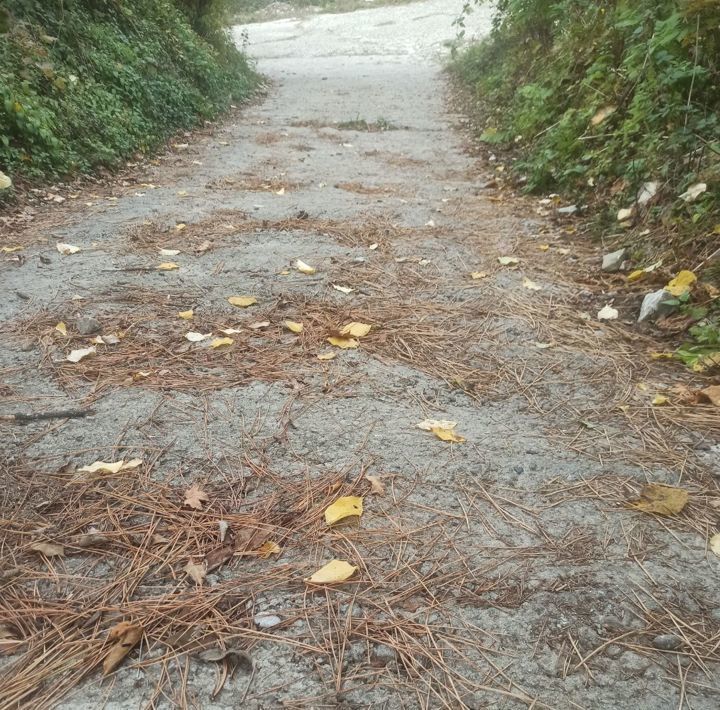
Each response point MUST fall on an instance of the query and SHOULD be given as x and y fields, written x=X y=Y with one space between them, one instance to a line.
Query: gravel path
x=503 y=569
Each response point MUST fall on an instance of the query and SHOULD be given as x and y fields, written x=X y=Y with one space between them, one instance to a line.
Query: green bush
x=89 y=82
x=600 y=96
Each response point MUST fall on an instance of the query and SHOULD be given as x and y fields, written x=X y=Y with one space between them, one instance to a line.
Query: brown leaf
x=712 y=394
x=196 y=572
x=195 y=497
x=660 y=499
x=48 y=549
x=377 y=485
x=126 y=636
x=219 y=556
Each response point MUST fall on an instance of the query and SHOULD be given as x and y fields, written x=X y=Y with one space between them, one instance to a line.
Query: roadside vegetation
x=86 y=84
x=615 y=105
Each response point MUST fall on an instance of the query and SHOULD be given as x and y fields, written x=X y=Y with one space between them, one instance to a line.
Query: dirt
x=507 y=570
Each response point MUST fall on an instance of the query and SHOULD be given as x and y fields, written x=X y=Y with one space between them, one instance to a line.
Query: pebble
x=382 y=655
x=667 y=642
x=88 y=326
x=518 y=469
x=266 y=621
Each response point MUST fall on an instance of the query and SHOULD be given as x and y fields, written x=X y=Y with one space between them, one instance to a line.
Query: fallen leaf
x=564 y=252
x=344 y=343
x=196 y=572
x=659 y=399
x=168 y=266
x=194 y=337
x=180 y=226
x=660 y=499
x=355 y=330
x=714 y=544
x=48 y=549
x=344 y=508
x=67 y=249
x=266 y=621
x=126 y=636
x=234 y=657
x=327 y=356
x=373 y=246
x=186 y=315
x=111 y=467
x=335 y=571
x=624 y=214
x=259 y=324
x=169 y=252
x=10 y=250
x=61 y=328
x=544 y=346
x=543 y=247
x=220 y=342
x=304 y=268
x=268 y=548
x=693 y=192
x=531 y=285
x=230 y=331
x=508 y=260
x=608 y=313
x=447 y=435
x=220 y=555
x=602 y=114
x=712 y=394
x=242 y=301
x=681 y=284
x=5 y=181
x=343 y=289
x=635 y=275
x=77 y=355
x=376 y=485
x=294 y=326
x=430 y=424
x=195 y=497
x=478 y=275
x=661 y=356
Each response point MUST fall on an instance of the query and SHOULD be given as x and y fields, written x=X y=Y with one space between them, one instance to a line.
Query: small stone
x=653 y=305
x=612 y=262
x=667 y=642
x=266 y=621
x=634 y=663
x=382 y=655
x=88 y=326
x=518 y=469
x=614 y=651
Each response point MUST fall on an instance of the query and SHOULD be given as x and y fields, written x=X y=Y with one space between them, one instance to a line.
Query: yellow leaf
x=355 y=330
x=335 y=571
x=61 y=328
x=376 y=485
x=660 y=499
x=543 y=247
x=478 y=275
x=259 y=324
x=186 y=315
x=602 y=114
x=508 y=260
x=707 y=362
x=242 y=301
x=636 y=275
x=304 y=268
x=343 y=508
x=179 y=227
x=715 y=544
x=531 y=285
x=111 y=467
x=230 y=331
x=5 y=181
x=327 y=356
x=682 y=283
x=268 y=548
x=168 y=266
x=344 y=343
x=661 y=356
x=659 y=400
x=219 y=342
x=430 y=424
x=343 y=289
x=10 y=250
x=67 y=249
x=447 y=435
x=375 y=245
x=294 y=326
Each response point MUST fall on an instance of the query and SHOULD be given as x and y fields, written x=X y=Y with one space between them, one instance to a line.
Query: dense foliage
x=89 y=82
x=601 y=96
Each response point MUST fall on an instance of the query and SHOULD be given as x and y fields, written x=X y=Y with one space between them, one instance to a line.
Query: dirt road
x=497 y=561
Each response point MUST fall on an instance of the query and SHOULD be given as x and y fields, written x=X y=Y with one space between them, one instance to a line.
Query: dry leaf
x=660 y=499
x=373 y=246
x=343 y=289
x=659 y=400
x=430 y=424
x=268 y=548
x=126 y=636
x=304 y=268
x=327 y=356
x=294 y=326
x=712 y=394
x=230 y=331
x=5 y=181
x=67 y=249
x=169 y=252
x=447 y=435
x=544 y=346
x=10 y=250
x=681 y=284
x=335 y=571
x=355 y=330
x=259 y=324
x=714 y=544
x=693 y=192
x=220 y=555
x=344 y=508
x=61 y=328
x=531 y=285
x=543 y=247
x=376 y=485
x=168 y=266
x=242 y=301
x=635 y=275
x=344 y=343
x=608 y=313
x=194 y=337
x=186 y=315
x=196 y=572
x=195 y=497
x=661 y=356
x=219 y=342
x=602 y=114
x=179 y=227
x=508 y=260
x=77 y=355
x=478 y=275
x=48 y=549
x=111 y=467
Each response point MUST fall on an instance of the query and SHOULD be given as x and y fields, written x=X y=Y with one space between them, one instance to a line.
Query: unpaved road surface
x=505 y=570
